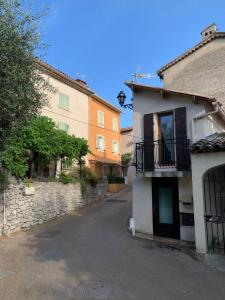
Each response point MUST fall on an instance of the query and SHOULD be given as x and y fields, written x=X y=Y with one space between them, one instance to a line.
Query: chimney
x=208 y=31
x=81 y=81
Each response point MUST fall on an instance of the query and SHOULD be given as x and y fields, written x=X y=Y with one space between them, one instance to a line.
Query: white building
x=173 y=189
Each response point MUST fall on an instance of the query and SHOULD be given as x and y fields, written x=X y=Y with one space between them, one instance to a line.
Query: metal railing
x=162 y=154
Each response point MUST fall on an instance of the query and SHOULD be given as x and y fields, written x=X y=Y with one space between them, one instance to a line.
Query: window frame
x=117 y=143
x=67 y=125
x=103 y=138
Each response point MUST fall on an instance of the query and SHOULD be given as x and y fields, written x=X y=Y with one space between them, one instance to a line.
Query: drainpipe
x=204 y=115
x=4 y=206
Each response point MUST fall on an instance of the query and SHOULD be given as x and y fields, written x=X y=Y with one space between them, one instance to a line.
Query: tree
x=42 y=142
x=23 y=89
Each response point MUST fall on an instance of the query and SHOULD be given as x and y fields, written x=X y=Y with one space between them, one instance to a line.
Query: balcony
x=163 y=154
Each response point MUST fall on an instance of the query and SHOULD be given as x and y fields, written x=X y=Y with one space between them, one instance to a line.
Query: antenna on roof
x=136 y=76
x=81 y=76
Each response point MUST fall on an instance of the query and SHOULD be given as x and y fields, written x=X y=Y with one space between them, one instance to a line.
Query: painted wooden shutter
x=182 y=147
x=64 y=101
x=148 y=143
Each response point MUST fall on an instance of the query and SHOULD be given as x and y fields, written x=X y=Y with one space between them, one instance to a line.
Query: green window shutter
x=64 y=127
x=115 y=124
x=63 y=101
x=100 y=119
x=97 y=142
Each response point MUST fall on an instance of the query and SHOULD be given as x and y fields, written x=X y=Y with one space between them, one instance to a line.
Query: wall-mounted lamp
x=121 y=98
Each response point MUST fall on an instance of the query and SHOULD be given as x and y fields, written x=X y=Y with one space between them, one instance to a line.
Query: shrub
x=115 y=179
x=66 y=178
x=89 y=176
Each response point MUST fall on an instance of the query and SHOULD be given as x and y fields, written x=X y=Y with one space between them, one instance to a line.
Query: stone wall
x=202 y=72
x=50 y=200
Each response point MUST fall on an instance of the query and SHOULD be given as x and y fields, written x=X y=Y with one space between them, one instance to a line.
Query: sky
x=108 y=40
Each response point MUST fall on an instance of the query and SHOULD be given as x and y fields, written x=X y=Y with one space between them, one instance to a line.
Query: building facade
x=76 y=109
x=127 y=141
x=201 y=69
x=165 y=122
x=104 y=137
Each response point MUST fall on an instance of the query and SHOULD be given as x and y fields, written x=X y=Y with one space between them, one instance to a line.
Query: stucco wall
x=107 y=132
x=49 y=201
x=77 y=115
x=202 y=72
x=126 y=141
x=142 y=205
x=151 y=102
x=201 y=163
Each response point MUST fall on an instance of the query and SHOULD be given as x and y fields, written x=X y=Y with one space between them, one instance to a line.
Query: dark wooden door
x=166 y=218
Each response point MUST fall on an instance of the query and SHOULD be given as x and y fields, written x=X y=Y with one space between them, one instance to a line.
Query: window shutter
x=182 y=147
x=100 y=119
x=148 y=143
x=64 y=101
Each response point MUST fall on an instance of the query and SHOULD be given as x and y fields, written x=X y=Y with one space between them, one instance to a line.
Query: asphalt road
x=90 y=255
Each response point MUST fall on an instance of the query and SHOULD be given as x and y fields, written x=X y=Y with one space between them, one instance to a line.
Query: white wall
x=77 y=115
x=142 y=205
x=201 y=163
x=151 y=102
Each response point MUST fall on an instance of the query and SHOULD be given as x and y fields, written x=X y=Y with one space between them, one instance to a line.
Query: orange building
x=104 y=136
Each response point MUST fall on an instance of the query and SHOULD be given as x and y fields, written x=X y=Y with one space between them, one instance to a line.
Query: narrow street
x=90 y=255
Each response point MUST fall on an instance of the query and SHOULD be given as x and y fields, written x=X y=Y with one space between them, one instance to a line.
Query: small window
x=64 y=127
x=63 y=101
x=100 y=118
x=115 y=124
x=115 y=147
x=100 y=142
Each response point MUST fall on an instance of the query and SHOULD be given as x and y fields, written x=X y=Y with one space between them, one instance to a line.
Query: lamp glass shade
x=121 y=98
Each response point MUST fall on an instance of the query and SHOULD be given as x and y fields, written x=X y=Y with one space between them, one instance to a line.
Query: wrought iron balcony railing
x=163 y=154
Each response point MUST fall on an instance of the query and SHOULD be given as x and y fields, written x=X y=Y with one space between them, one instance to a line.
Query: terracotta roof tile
x=215 y=143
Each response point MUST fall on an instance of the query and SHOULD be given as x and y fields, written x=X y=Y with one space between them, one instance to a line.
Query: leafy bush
x=115 y=179
x=66 y=178
x=89 y=176
x=43 y=142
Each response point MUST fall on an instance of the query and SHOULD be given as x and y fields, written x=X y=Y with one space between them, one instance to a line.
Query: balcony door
x=166 y=144
x=166 y=207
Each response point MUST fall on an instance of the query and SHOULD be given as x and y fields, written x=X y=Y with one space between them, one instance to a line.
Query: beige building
x=201 y=69
x=127 y=140
x=68 y=106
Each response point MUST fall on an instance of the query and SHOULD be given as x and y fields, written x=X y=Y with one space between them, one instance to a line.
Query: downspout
x=204 y=115
x=4 y=206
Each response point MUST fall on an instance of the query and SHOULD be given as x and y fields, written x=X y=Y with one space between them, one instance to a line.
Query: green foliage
x=4 y=180
x=67 y=178
x=115 y=179
x=43 y=141
x=125 y=159
x=23 y=89
x=89 y=176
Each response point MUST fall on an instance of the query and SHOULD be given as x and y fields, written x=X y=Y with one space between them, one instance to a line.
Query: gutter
x=216 y=110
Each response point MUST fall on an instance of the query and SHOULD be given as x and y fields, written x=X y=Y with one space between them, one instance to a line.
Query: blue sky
x=107 y=40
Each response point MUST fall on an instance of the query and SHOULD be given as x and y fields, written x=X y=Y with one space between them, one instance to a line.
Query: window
x=115 y=124
x=64 y=127
x=63 y=101
x=115 y=147
x=100 y=118
x=100 y=142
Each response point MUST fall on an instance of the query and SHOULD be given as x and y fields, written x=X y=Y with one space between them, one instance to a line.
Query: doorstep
x=167 y=241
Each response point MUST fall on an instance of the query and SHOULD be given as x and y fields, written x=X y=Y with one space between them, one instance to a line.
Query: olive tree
x=23 y=89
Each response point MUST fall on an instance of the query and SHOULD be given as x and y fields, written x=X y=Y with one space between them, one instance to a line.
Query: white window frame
x=103 y=115
x=114 y=142
x=103 y=139
x=115 y=124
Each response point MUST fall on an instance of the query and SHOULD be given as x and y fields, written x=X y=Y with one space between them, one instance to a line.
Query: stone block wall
x=49 y=201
